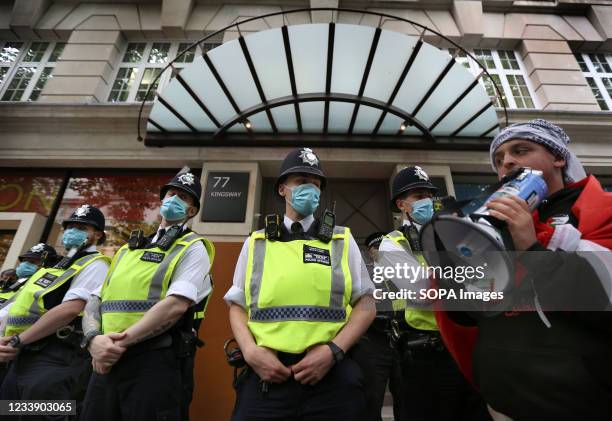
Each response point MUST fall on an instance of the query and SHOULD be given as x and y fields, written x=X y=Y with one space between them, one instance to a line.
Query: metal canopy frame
x=193 y=137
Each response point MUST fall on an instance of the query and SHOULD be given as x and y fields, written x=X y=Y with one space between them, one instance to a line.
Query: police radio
x=412 y=235
x=169 y=237
x=67 y=260
x=17 y=284
x=327 y=224
x=272 y=228
x=136 y=240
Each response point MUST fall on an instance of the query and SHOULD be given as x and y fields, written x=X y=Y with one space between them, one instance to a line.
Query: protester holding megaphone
x=557 y=367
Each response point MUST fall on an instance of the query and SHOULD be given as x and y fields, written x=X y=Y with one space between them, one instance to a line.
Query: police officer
x=376 y=353
x=38 y=255
x=43 y=324
x=434 y=388
x=294 y=284
x=139 y=327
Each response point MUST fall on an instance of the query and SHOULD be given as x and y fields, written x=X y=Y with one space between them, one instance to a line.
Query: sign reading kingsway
x=225 y=197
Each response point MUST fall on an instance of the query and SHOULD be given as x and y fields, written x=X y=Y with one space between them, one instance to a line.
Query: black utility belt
x=70 y=335
x=422 y=340
x=164 y=340
x=288 y=359
x=183 y=344
x=72 y=340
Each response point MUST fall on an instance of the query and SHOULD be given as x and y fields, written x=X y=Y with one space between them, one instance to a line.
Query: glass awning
x=341 y=84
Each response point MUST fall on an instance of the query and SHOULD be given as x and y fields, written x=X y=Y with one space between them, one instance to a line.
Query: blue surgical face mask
x=173 y=209
x=74 y=237
x=422 y=211
x=305 y=198
x=26 y=269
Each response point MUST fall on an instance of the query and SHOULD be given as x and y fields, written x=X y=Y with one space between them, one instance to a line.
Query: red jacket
x=593 y=210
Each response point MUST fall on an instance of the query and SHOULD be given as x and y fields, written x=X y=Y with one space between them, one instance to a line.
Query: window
x=142 y=63
x=25 y=69
x=469 y=186
x=506 y=71
x=597 y=69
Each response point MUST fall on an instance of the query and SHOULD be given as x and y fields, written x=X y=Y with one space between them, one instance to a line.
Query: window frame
x=144 y=64
x=502 y=74
x=40 y=67
x=597 y=77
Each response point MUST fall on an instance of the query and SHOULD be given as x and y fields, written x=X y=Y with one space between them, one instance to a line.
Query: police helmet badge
x=309 y=157
x=186 y=178
x=38 y=248
x=419 y=172
x=82 y=211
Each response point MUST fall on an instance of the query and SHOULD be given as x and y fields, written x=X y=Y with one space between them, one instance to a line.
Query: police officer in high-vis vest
x=433 y=387
x=43 y=327
x=39 y=255
x=139 y=328
x=301 y=297
x=36 y=256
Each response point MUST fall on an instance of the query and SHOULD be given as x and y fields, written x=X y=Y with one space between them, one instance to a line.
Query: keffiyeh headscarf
x=547 y=134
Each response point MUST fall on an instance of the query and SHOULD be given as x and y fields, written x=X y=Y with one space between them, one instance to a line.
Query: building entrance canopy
x=329 y=84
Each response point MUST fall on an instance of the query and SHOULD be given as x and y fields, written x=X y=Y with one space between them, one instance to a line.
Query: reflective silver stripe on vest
x=157 y=282
x=126 y=306
x=34 y=309
x=309 y=313
x=7 y=302
x=336 y=298
x=259 y=255
x=121 y=254
x=334 y=312
x=22 y=321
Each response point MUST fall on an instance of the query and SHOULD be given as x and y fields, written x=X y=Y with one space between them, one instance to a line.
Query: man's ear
x=281 y=190
x=192 y=211
x=559 y=162
x=398 y=203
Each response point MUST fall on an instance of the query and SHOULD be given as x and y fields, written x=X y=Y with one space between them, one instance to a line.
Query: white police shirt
x=361 y=283
x=188 y=278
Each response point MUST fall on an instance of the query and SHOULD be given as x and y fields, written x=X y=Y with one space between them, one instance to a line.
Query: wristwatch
x=15 y=342
x=88 y=337
x=337 y=352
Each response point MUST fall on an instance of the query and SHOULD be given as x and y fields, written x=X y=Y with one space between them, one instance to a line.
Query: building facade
x=73 y=76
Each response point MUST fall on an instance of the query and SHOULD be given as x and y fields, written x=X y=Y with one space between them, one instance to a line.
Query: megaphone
x=473 y=238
